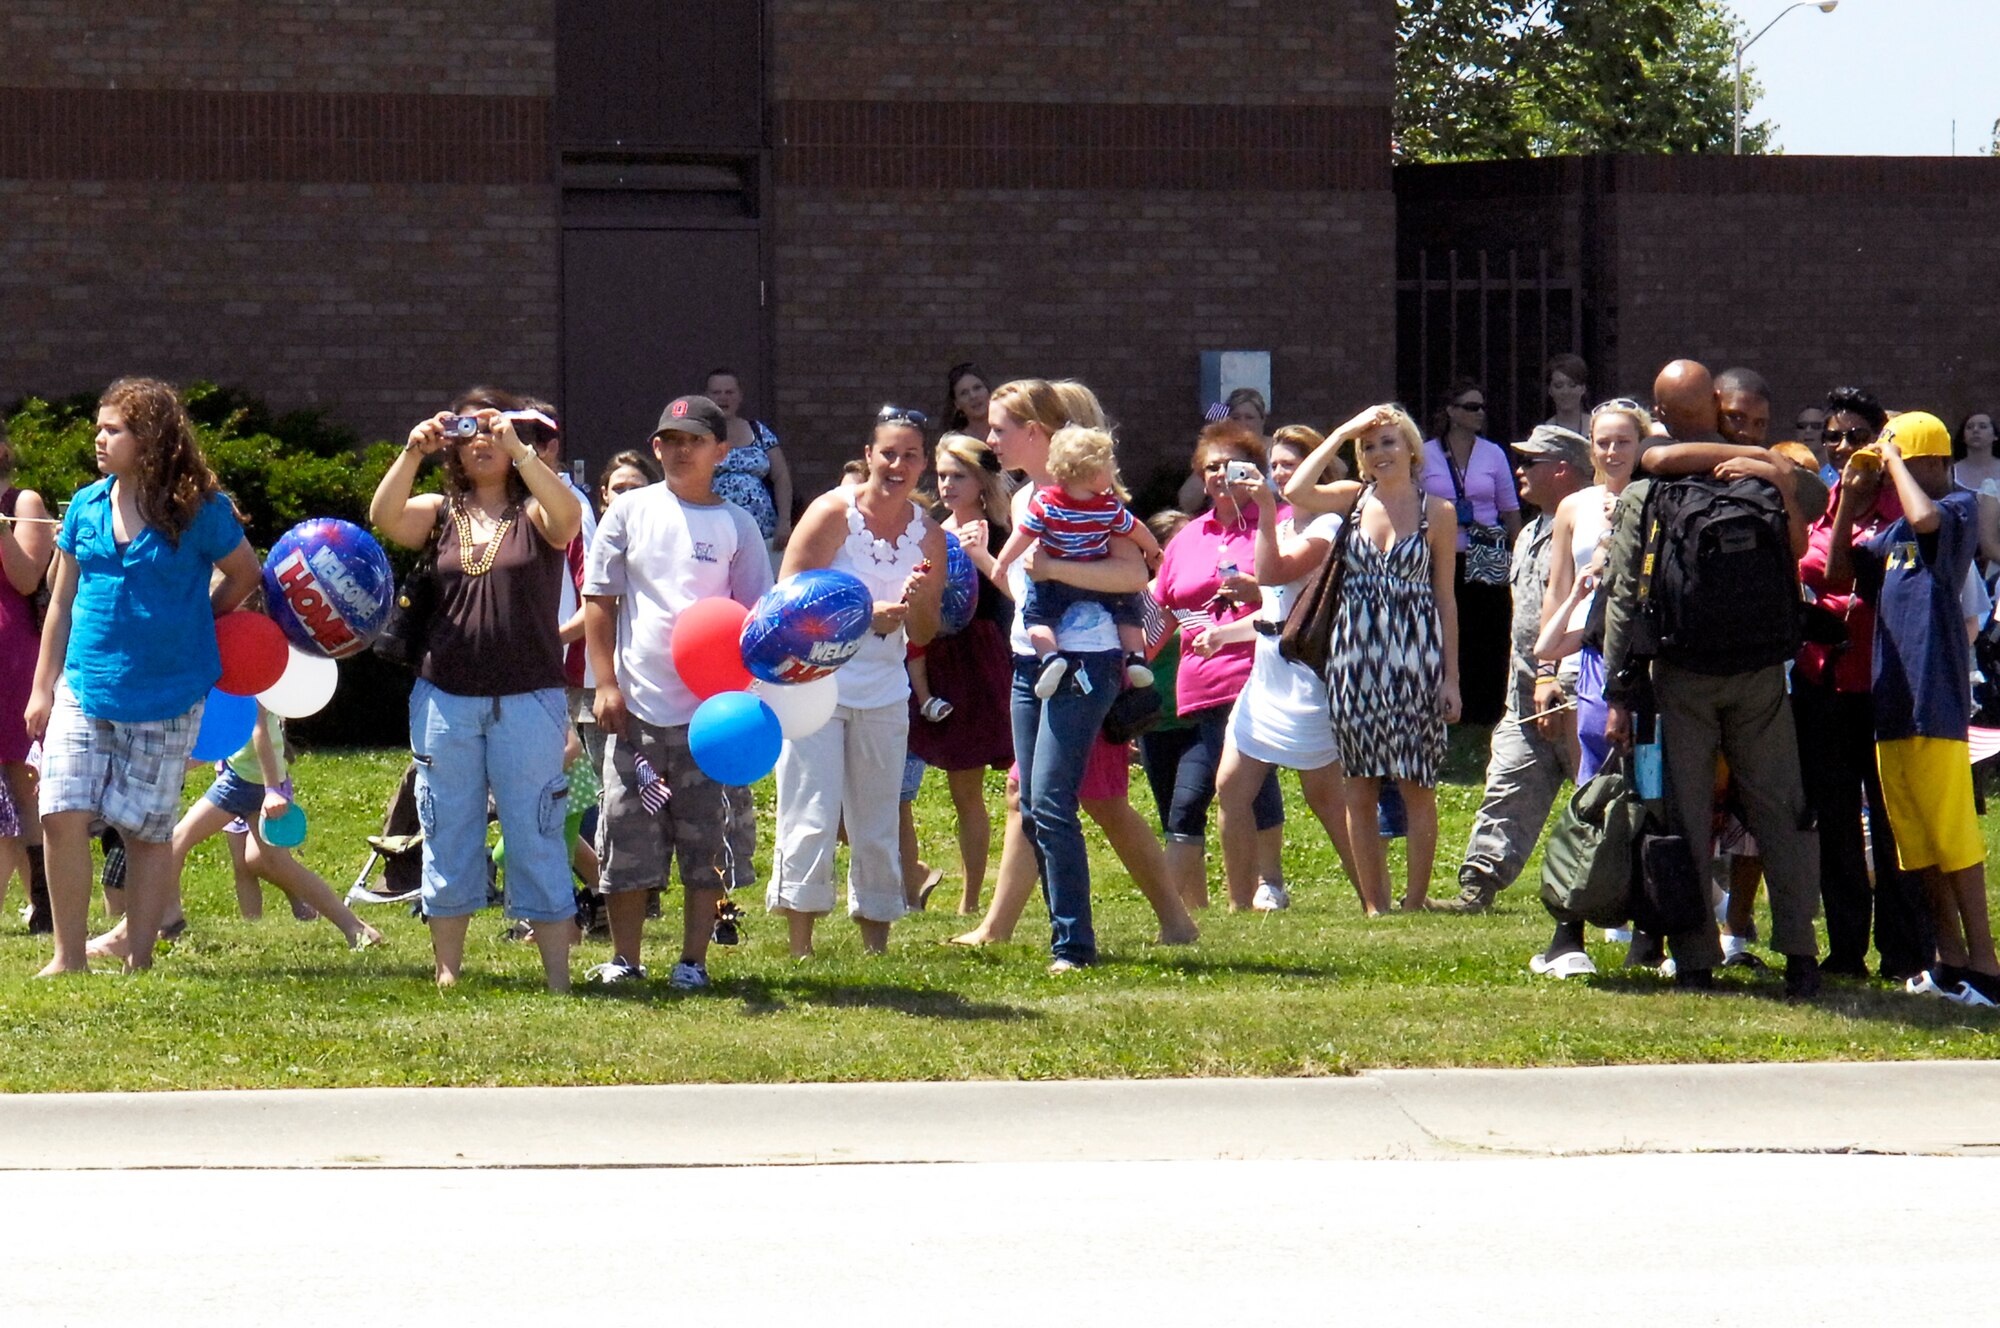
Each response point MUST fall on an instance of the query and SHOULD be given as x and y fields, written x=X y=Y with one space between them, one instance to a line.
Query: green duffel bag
x=1587 y=862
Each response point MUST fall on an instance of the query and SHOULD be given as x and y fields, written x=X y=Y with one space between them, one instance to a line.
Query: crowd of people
x=1787 y=628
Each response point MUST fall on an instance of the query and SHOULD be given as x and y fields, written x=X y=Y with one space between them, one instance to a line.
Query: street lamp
x=1824 y=7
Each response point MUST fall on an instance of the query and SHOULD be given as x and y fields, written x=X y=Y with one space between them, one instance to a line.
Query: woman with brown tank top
x=487 y=713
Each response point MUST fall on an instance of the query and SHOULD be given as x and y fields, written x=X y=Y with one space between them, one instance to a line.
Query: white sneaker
x=1051 y=676
x=1271 y=897
x=1570 y=964
x=688 y=977
x=617 y=970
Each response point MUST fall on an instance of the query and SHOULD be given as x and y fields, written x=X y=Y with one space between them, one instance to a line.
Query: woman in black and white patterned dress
x=1393 y=677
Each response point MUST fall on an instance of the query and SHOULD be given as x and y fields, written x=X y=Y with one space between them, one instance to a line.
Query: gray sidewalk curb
x=1922 y=1107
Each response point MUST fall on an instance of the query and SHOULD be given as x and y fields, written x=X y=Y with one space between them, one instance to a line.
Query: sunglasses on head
x=1860 y=434
x=1617 y=403
x=916 y=419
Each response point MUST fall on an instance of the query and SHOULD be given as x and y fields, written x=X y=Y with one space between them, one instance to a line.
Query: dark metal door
x=646 y=314
x=682 y=74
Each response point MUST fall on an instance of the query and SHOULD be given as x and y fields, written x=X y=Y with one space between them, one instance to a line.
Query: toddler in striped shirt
x=1075 y=519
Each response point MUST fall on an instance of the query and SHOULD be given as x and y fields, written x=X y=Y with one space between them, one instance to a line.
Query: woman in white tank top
x=850 y=769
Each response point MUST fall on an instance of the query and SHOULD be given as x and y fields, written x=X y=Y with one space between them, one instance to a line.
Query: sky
x=1878 y=77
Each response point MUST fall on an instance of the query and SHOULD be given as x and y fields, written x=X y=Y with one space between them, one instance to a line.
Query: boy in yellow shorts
x=1913 y=571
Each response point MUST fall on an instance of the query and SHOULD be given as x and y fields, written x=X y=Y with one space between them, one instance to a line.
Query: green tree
x=1482 y=79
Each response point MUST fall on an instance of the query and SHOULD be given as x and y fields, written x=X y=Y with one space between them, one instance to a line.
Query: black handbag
x=407 y=629
x=1137 y=710
x=1307 y=636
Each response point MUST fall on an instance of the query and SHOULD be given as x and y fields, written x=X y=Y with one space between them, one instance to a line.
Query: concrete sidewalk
x=1923 y=1107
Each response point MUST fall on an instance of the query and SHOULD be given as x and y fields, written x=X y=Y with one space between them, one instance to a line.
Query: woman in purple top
x=1471 y=473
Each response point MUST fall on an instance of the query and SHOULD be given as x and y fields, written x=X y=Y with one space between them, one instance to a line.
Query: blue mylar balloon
x=328 y=584
x=226 y=724
x=806 y=626
x=734 y=738
x=961 y=587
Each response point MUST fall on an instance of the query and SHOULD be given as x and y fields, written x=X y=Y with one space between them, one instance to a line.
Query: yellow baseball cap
x=1918 y=433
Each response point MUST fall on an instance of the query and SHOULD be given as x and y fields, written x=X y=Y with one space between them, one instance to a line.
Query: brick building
x=1818 y=271
x=361 y=208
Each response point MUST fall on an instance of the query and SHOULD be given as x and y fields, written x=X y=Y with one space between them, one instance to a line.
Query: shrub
x=280 y=469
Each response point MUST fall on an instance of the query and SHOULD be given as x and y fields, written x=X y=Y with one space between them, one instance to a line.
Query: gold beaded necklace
x=483 y=564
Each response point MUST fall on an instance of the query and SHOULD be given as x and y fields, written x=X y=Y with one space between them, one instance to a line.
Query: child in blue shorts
x=251 y=784
x=128 y=656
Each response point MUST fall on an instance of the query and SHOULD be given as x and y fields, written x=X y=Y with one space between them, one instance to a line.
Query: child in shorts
x=251 y=784
x=1913 y=571
x=128 y=656
x=1075 y=519
x=658 y=550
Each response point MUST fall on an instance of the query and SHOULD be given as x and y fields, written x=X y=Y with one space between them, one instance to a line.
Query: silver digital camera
x=460 y=426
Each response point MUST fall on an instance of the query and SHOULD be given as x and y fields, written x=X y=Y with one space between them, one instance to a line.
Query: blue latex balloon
x=734 y=738
x=329 y=585
x=806 y=626
x=288 y=831
x=226 y=724
x=961 y=587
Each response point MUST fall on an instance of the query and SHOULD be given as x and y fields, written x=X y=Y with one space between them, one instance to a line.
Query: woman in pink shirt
x=1210 y=569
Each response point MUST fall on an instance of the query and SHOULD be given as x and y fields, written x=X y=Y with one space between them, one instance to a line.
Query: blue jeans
x=1052 y=742
x=512 y=745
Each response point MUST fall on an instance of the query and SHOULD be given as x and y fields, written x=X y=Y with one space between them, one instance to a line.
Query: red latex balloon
x=705 y=647
x=253 y=651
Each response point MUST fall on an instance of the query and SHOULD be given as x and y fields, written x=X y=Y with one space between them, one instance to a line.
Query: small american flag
x=653 y=791
x=1217 y=413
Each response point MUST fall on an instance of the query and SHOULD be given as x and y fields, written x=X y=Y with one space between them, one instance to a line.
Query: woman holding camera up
x=1208 y=578
x=488 y=712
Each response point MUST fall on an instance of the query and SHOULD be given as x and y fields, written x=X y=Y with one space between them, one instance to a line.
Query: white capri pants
x=851 y=769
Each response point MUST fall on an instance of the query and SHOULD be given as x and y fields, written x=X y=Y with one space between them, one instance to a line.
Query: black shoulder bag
x=408 y=627
x=1307 y=636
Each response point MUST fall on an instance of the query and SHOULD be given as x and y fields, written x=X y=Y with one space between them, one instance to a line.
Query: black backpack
x=1719 y=591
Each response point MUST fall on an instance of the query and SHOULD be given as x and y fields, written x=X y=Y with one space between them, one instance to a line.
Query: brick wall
x=1139 y=51
x=373 y=302
x=1101 y=198
x=444 y=46
x=1817 y=272
x=336 y=206
x=1122 y=290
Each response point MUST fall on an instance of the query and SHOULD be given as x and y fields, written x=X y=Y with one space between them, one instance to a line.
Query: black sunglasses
x=916 y=419
x=1478 y=407
x=1859 y=434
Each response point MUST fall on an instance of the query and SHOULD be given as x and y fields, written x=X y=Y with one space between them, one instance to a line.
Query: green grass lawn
x=1316 y=990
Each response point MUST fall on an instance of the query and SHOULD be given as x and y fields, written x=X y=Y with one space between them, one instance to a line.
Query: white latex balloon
x=802 y=708
x=304 y=688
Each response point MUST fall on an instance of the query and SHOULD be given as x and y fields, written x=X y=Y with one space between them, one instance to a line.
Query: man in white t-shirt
x=657 y=551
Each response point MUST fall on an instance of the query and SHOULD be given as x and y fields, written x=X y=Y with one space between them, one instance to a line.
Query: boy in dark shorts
x=658 y=550
x=1913 y=571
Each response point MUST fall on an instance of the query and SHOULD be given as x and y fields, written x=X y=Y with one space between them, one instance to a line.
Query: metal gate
x=1493 y=317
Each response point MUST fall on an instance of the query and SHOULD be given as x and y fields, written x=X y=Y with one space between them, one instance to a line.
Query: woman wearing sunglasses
x=847 y=770
x=1472 y=474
